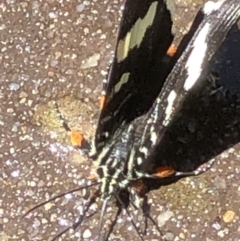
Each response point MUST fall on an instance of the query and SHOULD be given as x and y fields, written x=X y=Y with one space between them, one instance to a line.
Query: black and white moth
x=144 y=92
x=121 y=155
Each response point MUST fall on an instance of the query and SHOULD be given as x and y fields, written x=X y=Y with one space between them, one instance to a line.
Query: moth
x=144 y=91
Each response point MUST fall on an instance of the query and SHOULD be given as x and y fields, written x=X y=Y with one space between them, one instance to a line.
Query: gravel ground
x=60 y=50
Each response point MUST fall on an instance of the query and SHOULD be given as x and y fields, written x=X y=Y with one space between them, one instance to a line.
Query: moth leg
x=162 y=172
x=141 y=202
x=157 y=173
x=124 y=197
x=123 y=200
x=146 y=213
x=114 y=222
x=201 y=169
x=76 y=137
x=166 y=171
x=76 y=224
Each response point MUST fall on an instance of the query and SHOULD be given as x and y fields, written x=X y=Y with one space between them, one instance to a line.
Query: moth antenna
x=58 y=196
x=129 y=215
x=104 y=207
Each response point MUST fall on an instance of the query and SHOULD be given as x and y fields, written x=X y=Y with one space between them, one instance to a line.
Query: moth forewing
x=133 y=82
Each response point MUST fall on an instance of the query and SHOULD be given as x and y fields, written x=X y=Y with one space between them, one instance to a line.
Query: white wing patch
x=171 y=97
x=195 y=60
x=211 y=6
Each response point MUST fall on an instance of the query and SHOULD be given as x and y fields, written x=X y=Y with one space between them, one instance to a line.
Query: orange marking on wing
x=164 y=172
x=102 y=101
x=171 y=50
x=77 y=138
